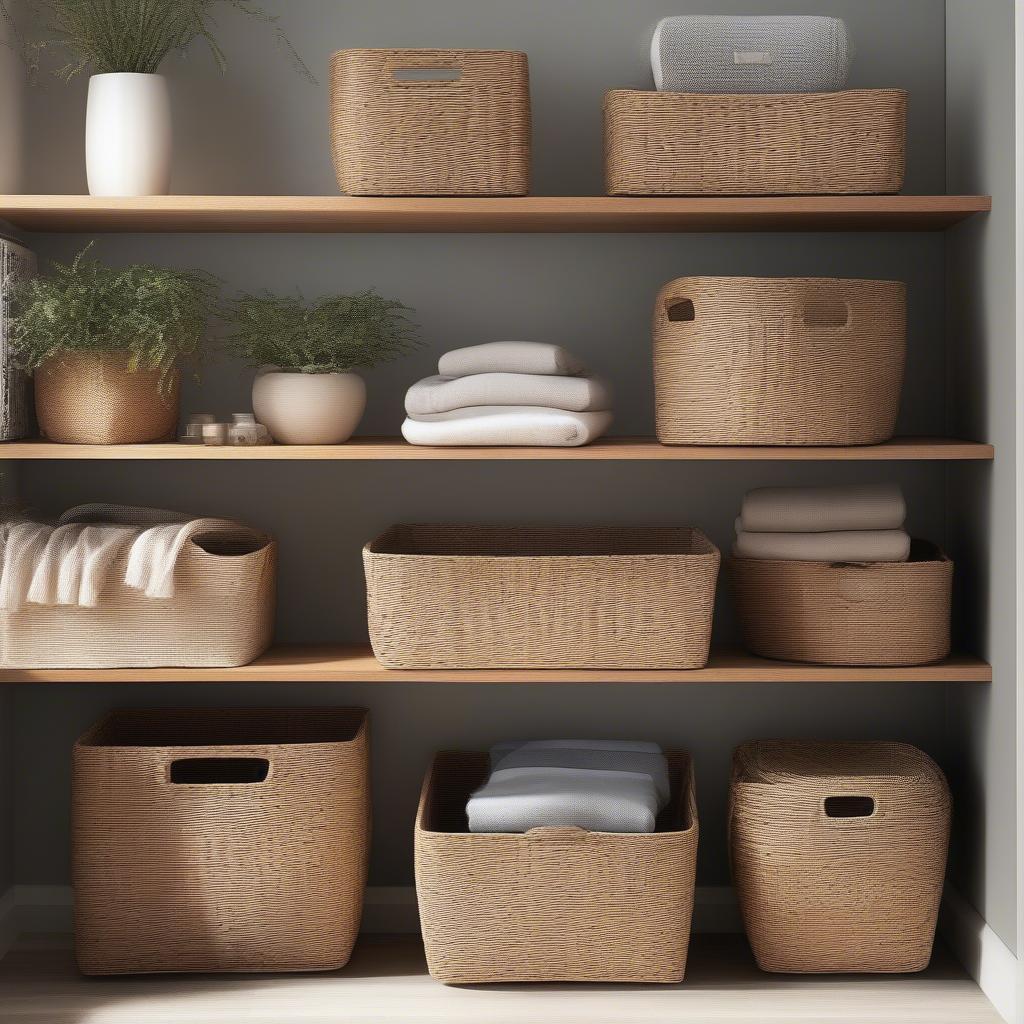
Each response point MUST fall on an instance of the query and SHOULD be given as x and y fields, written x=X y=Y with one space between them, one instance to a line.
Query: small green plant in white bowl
x=305 y=391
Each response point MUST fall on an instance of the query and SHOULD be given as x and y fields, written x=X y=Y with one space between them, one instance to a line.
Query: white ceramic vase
x=309 y=408
x=128 y=135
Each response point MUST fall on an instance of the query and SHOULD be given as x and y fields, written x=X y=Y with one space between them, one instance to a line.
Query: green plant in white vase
x=123 y=43
x=305 y=391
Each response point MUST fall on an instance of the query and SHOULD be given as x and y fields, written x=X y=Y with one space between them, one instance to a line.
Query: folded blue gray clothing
x=651 y=763
x=519 y=799
x=499 y=750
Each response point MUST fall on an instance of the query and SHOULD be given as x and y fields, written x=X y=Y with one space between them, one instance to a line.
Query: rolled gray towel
x=823 y=509
x=439 y=394
x=510 y=357
x=727 y=54
x=851 y=546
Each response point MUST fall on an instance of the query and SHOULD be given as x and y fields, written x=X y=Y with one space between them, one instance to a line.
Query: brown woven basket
x=672 y=143
x=541 y=597
x=91 y=398
x=874 y=613
x=838 y=854
x=220 y=840
x=431 y=122
x=221 y=614
x=552 y=904
x=778 y=361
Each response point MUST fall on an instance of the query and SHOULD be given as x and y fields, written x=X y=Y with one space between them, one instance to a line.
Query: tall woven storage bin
x=676 y=143
x=541 y=597
x=778 y=361
x=838 y=854
x=221 y=614
x=552 y=904
x=431 y=122
x=875 y=613
x=220 y=840
x=17 y=264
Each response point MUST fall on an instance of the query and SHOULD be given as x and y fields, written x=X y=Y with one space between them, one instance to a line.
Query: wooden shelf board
x=638 y=449
x=74 y=213
x=356 y=664
x=387 y=980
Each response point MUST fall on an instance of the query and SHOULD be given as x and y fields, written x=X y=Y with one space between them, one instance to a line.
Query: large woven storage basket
x=92 y=398
x=541 y=597
x=431 y=122
x=552 y=904
x=220 y=840
x=867 y=613
x=778 y=361
x=838 y=854
x=673 y=143
x=221 y=614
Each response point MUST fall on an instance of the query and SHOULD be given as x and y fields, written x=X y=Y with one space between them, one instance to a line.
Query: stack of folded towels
x=508 y=393
x=861 y=523
x=597 y=785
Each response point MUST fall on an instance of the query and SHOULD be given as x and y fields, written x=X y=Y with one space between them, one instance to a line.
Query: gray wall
x=262 y=129
x=980 y=306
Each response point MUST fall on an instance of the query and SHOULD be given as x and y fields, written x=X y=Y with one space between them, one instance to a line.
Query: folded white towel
x=518 y=799
x=153 y=557
x=849 y=546
x=566 y=754
x=529 y=426
x=823 y=509
x=73 y=568
x=510 y=357
x=448 y=394
x=24 y=543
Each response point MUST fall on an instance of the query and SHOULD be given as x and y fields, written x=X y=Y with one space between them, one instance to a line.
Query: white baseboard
x=48 y=910
x=986 y=958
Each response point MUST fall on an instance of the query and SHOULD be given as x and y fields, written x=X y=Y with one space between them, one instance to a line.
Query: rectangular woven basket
x=675 y=143
x=541 y=597
x=838 y=854
x=552 y=904
x=431 y=122
x=221 y=614
x=220 y=840
x=876 y=613
x=778 y=361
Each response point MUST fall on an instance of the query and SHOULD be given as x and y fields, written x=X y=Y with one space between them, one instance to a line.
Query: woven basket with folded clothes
x=829 y=575
x=108 y=586
x=508 y=393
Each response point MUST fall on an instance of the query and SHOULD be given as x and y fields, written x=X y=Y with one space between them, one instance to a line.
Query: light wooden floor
x=387 y=983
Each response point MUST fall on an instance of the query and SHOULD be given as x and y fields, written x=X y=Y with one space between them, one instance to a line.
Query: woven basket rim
x=428 y=50
x=940 y=558
x=796 y=98
x=686 y=799
x=750 y=279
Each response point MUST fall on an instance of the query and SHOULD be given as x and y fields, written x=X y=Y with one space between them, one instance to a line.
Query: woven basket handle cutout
x=828 y=313
x=218 y=771
x=680 y=310
x=849 y=808
x=569 y=835
x=424 y=71
x=854 y=583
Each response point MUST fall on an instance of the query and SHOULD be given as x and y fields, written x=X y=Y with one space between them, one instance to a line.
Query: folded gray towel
x=510 y=357
x=449 y=394
x=518 y=799
x=823 y=509
x=851 y=546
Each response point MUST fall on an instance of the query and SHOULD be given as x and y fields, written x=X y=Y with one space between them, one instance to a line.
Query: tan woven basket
x=91 y=398
x=778 y=361
x=671 y=143
x=220 y=840
x=431 y=122
x=553 y=904
x=221 y=614
x=838 y=854
x=875 y=613
x=541 y=597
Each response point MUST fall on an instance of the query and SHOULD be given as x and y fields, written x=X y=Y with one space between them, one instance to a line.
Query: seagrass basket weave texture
x=91 y=398
x=552 y=904
x=673 y=143
x=871 y=613
x=778 y=361
x=431 y=122
x=221 y=614
x=220 y=840
x=838 y=854
x=541 y=597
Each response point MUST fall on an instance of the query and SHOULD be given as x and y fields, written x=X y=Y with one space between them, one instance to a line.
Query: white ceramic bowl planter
x=309 y=408
x=128 y=135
